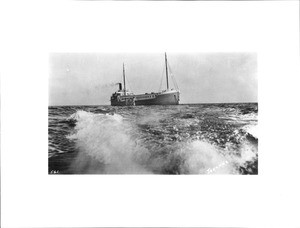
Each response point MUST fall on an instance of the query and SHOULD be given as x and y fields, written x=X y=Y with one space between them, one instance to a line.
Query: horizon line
x=160 y=105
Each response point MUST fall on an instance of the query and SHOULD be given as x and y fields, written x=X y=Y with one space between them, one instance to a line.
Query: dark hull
x=169 y=98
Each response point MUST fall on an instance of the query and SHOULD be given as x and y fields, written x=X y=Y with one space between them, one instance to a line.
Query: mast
x=167 y=76
x=124 y=79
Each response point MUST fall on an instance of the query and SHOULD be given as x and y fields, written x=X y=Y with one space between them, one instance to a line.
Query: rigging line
x=177 y=87
x=161 y=80
x=170 y=73
x=174 y=81
x=173 y=78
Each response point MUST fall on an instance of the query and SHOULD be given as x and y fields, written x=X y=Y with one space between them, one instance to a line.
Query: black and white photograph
x=177 y=113
x=149 y=113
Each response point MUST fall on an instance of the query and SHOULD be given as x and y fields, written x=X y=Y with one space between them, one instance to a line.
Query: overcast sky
x=89 y=78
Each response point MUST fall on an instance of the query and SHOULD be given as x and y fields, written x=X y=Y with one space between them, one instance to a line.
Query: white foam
x=252 y=129
x=110 y=144
x=105 y=145
x=202 y=157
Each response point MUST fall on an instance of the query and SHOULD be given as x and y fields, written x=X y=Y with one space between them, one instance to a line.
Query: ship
x=123 y=97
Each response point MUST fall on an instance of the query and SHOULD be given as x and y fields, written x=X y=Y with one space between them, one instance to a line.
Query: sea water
x=177 y=139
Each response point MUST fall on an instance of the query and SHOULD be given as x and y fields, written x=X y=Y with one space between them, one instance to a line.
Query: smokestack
x=120 y=86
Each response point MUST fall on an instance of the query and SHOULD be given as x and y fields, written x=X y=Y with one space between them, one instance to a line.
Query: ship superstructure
x=123 y=97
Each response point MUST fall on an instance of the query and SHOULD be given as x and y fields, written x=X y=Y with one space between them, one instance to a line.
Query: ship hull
x=168 y=98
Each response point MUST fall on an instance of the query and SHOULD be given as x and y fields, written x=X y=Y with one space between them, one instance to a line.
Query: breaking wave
x=105 y=145
x=109 y=143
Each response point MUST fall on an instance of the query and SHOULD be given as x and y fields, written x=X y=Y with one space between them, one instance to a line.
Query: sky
x=90 y=78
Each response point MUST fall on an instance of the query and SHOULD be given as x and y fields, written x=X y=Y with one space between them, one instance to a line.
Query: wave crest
x=107 y=143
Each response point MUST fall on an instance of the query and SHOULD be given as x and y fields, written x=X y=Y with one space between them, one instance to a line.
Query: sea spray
x=203 y=157
x=183 y=139
x=105 y=145
x=108 y=144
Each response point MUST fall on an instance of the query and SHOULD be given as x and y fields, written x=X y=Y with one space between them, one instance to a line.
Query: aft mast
x=124 y=79
x=167 y=76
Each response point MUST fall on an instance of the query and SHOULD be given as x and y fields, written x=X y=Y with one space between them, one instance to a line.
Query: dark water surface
x=182 y=139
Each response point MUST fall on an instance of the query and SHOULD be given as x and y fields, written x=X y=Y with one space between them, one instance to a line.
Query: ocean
x=179 y=139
